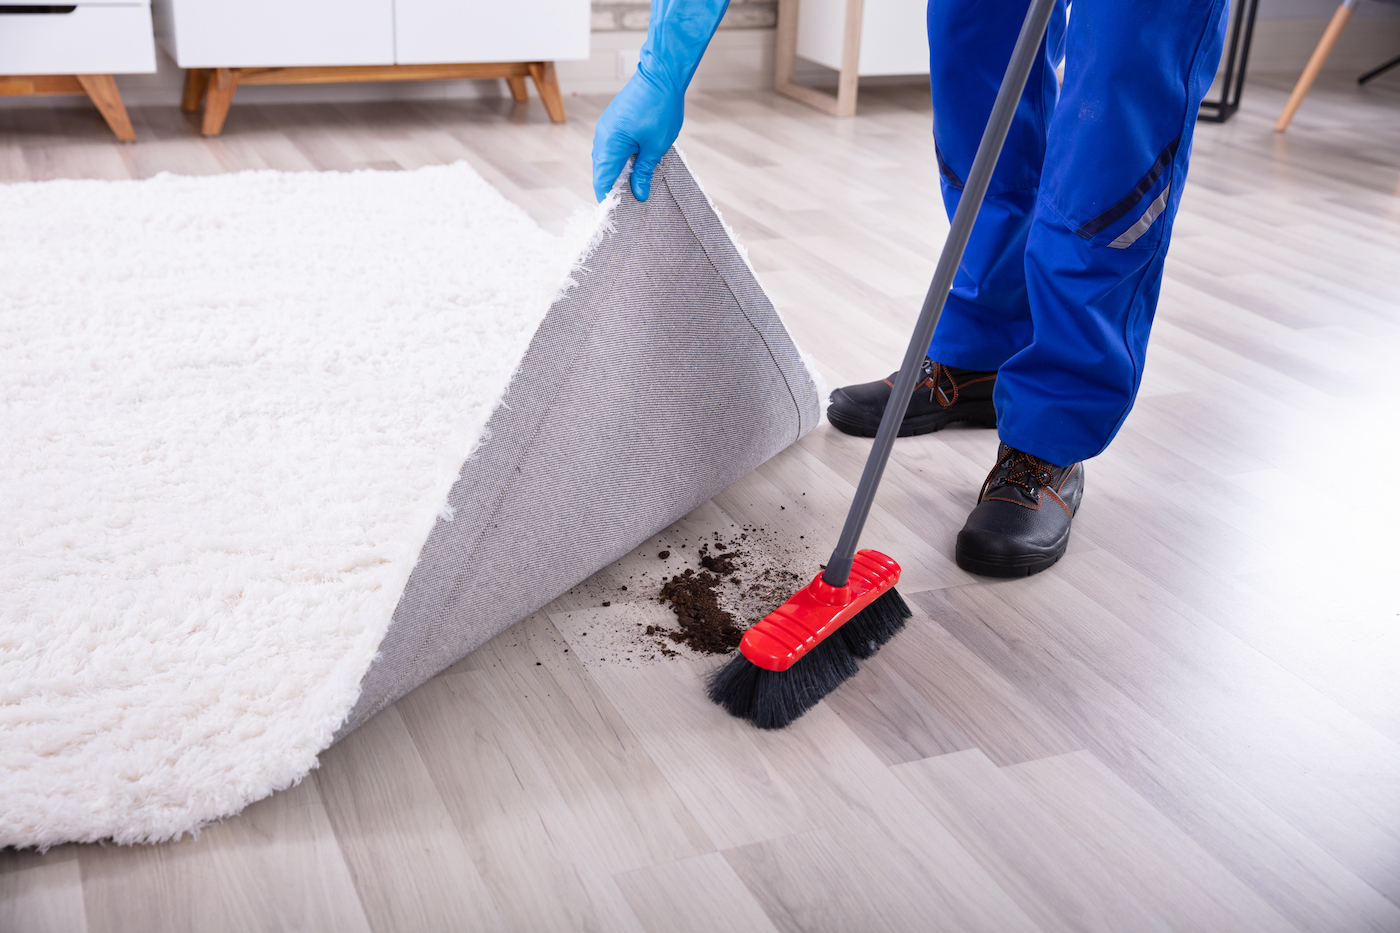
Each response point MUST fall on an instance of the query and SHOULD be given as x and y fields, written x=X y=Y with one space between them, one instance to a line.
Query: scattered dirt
x=720 y=565
x=716 y=590
x=772 y=587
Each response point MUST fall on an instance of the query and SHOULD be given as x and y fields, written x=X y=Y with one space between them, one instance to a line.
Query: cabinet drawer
x=5 y=3
x=93 y=39
x=278 y=33
x=435 y=31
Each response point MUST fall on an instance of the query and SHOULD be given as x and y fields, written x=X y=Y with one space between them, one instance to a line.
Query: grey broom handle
x=838 y=568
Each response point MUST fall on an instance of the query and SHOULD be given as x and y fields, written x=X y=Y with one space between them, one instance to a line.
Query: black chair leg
x=1376 y=72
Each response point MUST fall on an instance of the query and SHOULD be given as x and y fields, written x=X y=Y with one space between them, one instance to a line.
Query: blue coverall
x=1059 y=285
x=1060 y=281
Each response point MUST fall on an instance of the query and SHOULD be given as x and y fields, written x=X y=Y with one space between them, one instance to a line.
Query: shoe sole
x=1022 y=565
x=923 y=424
x=991 y=565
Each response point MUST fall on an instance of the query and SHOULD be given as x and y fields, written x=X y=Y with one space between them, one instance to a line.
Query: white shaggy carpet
x=231 y=409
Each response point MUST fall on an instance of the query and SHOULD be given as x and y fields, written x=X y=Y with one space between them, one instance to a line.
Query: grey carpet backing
x=661 y=378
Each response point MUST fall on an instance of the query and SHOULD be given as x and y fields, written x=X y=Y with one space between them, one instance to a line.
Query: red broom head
x=816 y=611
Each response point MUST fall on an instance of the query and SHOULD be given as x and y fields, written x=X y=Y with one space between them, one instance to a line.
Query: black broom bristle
x=876 y=624
x=772 y=699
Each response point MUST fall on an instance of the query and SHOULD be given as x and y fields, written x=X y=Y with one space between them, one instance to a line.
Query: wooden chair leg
x=222 y=83
x=1319 y=58
x=518 y=89
x=103 y=91
x=547 y=83
x=196 y=83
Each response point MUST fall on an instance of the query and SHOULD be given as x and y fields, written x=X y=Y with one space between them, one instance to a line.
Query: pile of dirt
x=707 y=601
x=714 y=605
x=704 y=625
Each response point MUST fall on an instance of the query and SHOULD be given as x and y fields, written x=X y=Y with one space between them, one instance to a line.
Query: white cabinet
x=228 y=43
x=278 y=33
x=306 y=33
x=432 y=31
x=855 y=37
x=75 y=49
x=93 y=38
x=893 y=35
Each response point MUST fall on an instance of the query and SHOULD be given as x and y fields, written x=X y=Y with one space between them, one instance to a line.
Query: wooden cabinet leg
x=517 y=88
x=547 y=83
x=222 y=83
x=103 y=91
x=843 y=103
x=196 y=83
x=848 y=84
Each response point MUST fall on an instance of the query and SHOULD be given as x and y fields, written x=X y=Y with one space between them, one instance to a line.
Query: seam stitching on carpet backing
x=701 y=238
x=809 y=362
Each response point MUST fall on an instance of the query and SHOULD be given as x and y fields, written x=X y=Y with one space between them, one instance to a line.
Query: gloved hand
x=644 y=119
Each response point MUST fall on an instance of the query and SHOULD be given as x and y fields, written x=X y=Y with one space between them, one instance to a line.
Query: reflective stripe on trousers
x=1060 y=282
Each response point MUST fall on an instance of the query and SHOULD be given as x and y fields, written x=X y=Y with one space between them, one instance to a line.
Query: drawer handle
x=8 y=10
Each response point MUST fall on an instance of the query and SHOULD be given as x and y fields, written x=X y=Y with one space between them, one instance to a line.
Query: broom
x=809 y=645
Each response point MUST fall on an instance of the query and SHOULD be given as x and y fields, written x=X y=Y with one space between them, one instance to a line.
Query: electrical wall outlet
x=627 y=61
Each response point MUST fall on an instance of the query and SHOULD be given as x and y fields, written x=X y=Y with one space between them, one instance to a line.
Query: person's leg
x=1117 y=150
x=1118 y=147
x=987 y=318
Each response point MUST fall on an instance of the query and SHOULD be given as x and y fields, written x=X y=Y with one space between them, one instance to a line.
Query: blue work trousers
x=1060 y=281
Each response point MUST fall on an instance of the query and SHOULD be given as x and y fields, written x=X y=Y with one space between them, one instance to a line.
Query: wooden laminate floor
x=1191 y=723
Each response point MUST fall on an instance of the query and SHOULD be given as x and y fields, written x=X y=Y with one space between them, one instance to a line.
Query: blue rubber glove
x=645 y=117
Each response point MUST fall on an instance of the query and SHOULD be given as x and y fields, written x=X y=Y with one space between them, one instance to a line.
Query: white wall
x=1287 y=32
x=738 y=59
x=1322 y=9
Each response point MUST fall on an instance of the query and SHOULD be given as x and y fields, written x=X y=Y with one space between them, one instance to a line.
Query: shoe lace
x=935 y=374
x=1021 y=469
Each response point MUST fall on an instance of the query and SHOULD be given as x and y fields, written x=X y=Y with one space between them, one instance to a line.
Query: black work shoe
x=1021 y=523
x=945 y=395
